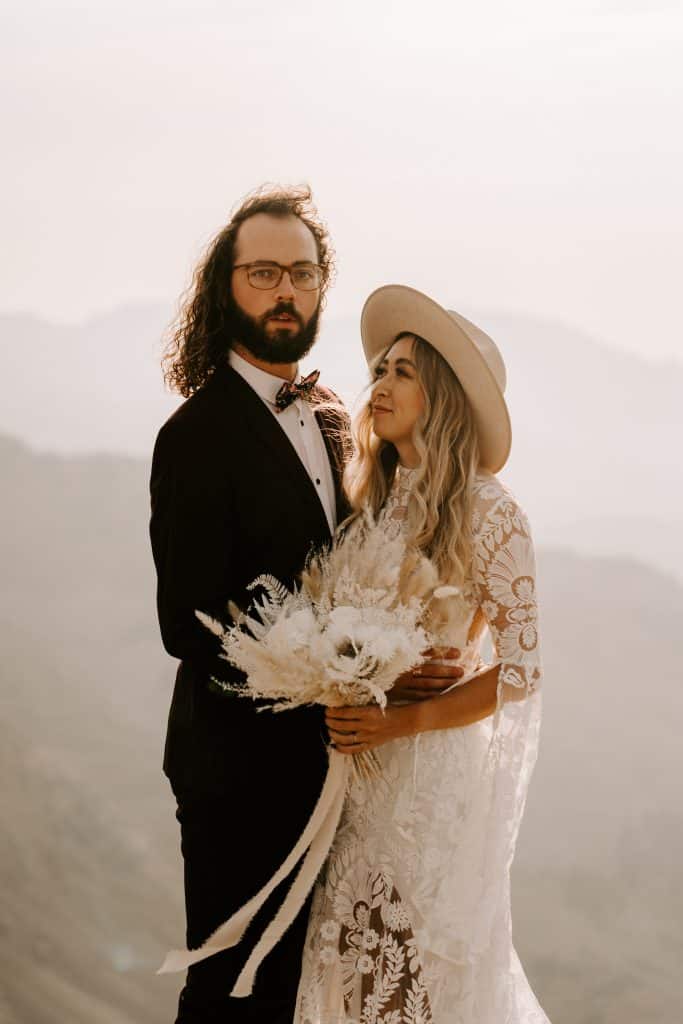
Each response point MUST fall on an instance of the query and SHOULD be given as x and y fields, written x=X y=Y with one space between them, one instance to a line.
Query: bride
x=411 y=916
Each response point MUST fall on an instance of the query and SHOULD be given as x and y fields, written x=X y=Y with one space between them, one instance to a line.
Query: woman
x=411 y=916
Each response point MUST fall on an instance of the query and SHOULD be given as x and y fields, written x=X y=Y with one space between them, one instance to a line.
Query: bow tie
x=288 y=393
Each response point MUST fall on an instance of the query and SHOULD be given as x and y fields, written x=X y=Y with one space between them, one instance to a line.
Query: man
x=246 y=480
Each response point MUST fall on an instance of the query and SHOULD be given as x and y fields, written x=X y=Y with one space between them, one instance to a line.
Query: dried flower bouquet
x=363 y=613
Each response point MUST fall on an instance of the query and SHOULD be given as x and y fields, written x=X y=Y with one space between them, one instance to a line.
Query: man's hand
x=430 y=678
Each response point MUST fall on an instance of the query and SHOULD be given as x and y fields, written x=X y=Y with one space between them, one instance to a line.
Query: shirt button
x=301 y=422
x=317 y=481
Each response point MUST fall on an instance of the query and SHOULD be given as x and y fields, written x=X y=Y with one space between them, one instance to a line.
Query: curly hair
x=197 y=338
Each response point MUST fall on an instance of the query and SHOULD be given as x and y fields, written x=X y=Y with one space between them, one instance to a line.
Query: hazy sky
x=522 y=156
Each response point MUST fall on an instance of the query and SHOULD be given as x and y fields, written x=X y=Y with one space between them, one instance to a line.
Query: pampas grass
x=363 y=614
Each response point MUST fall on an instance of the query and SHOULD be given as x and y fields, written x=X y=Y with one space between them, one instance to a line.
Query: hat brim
x=393 y=309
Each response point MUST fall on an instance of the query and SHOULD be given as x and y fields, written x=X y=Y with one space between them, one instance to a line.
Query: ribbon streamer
x=315 y=842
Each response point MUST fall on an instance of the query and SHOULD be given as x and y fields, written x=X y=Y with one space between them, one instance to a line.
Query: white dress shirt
x=301 y=427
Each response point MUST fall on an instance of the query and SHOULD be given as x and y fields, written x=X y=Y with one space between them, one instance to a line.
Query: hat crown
x=486 y=346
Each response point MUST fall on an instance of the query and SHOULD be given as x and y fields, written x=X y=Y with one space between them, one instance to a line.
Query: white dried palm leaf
x=356 y=622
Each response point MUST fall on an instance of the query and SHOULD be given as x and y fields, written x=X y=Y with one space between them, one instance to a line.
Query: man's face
x=277 y=325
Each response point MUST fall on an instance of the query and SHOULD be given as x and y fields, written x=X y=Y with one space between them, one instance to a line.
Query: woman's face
x=397 y=399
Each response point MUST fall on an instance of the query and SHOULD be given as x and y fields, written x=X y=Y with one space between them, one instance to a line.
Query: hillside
x=595 y=429
x=94 y=893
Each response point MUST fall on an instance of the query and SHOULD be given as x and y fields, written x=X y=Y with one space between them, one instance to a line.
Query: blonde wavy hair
x=440 y=506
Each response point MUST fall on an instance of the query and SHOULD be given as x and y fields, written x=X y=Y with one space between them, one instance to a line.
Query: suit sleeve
x=192 y=546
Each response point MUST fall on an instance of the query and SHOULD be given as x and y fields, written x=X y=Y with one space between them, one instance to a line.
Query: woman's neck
x=408 y=456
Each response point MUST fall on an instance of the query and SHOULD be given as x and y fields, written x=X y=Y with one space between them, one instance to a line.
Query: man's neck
x=287 y=371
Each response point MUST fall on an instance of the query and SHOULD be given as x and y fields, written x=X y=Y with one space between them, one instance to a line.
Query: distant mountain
x=596 y=430
x=91 y=388
x=85 y=913
x=90 y=858
x=90 y=843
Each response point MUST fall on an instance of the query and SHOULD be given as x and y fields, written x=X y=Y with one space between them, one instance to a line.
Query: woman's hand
x=430 y=678
x=356 y=729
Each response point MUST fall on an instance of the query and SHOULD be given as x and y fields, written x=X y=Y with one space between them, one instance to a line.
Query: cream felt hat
x=471 y=354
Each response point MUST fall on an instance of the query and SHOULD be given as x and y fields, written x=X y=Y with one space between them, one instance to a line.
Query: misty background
x=522 y=164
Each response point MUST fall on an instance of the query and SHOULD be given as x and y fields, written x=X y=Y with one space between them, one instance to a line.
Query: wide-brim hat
x=471 y=354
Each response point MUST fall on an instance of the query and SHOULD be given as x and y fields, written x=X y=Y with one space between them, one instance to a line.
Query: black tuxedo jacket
x=231 y=500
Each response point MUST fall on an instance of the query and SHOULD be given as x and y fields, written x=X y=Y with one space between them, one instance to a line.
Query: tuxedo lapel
x=280 y=458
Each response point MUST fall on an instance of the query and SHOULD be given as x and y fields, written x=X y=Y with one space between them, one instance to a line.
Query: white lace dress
x=410 y=921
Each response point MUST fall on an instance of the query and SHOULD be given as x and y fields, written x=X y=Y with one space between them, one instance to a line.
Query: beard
x=283 y=345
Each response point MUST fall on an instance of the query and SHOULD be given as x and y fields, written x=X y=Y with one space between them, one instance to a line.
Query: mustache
x=283 y=307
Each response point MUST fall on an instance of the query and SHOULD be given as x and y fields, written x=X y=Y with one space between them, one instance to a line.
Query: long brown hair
x=440 y=508
x=199 y=337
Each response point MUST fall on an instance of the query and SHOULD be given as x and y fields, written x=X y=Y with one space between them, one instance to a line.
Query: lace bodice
x=396 y=506
x=501 y=593
x=411 y=918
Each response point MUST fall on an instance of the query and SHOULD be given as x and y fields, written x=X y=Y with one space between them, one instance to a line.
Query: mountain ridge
x=92 y=851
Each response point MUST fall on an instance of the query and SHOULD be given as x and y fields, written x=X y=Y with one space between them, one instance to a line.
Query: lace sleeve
x=504 y=578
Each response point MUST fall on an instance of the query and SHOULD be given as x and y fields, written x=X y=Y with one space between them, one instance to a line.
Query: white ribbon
x=315 y=842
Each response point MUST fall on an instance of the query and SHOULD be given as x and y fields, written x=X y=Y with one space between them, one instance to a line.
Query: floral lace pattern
x=410 y=921
x=396 y=506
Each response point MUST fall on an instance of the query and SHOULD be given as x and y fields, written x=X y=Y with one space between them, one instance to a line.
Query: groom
x=246 y=480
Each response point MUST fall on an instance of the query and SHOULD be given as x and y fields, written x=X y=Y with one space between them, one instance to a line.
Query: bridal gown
x=410 y=922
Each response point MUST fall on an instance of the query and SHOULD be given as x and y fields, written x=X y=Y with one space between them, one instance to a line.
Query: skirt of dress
x=410 y=921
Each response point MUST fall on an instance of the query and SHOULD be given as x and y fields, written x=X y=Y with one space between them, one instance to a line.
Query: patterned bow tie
x=288 y=393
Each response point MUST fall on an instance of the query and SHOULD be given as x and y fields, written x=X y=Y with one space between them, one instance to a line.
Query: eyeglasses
x=266 y=274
